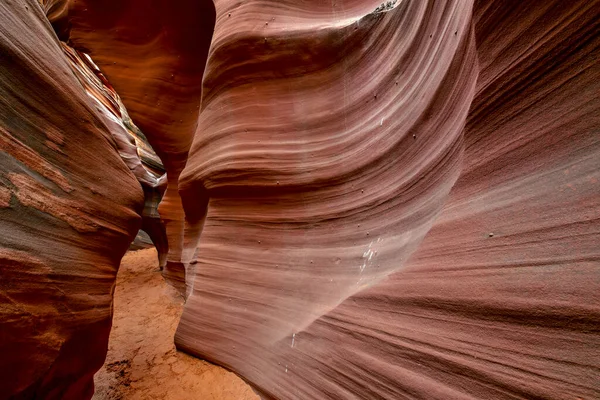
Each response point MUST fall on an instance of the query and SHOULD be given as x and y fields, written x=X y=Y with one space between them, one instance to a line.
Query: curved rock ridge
x=327 y=151
x=132 y=145
x=69 y=207
x=326 y=148
x=365 y=199
x=154 y=57
x=98 y=87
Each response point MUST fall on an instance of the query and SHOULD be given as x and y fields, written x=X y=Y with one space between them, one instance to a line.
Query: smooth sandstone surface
x=365 y=200
x=154 y=56
x=69 y=207
x=328 y=143
x=132 y=145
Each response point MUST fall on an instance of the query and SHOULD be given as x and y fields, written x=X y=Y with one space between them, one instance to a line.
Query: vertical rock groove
x=154 y=57
x=132 y=145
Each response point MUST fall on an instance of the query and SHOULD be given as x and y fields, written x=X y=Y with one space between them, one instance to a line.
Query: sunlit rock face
x=69 y=207
x=365 y=199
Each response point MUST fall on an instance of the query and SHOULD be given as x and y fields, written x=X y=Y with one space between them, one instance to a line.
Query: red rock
x=69 y=208
x=305 y=284
x=132 y=145
x=154 y=57
x=378 y=204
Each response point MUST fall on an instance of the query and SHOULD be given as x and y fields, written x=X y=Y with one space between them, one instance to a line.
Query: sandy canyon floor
x=142 y=362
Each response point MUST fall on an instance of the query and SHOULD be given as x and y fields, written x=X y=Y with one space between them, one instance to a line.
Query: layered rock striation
x=328 y=144
x=132 y=145
x=365 y=199
x=69 y=207
x=154 y=57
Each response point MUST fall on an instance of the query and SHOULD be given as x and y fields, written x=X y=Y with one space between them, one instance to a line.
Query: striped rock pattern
x=328 y=143
x=154 y=57
x=366 y=200
x=69 y=207
x=132 y=145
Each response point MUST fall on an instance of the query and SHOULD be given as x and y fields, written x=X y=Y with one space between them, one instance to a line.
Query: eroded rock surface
x=381 y=200
x=154 y=57
x=142 y=362
x=69 y=208
x=328 y=143
x=132 y=145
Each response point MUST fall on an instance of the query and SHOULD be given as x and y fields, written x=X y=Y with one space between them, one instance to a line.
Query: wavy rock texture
x=154 y=56
x=69 y=207
x=326 y=147
x=394 y=200
x=132 y=145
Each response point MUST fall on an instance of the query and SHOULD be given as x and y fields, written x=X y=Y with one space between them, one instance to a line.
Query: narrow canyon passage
x=356 y=199
x=142 y=362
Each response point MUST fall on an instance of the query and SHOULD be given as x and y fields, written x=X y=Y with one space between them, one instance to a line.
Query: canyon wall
x=69 y=207
x=364 y=200
x=328 y=143
x=154 y=56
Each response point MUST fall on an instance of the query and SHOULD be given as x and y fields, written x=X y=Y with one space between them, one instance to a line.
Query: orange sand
x=142 y=361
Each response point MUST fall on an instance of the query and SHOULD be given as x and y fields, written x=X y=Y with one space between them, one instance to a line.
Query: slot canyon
x=299 y=199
